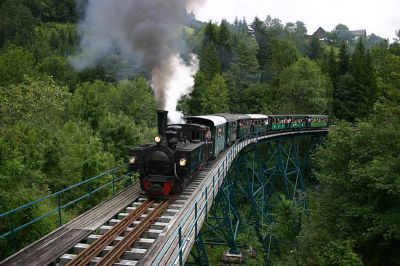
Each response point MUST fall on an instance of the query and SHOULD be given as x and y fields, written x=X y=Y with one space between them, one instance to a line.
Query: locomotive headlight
x=157 y=139
x=132 y=160
x=182 y=162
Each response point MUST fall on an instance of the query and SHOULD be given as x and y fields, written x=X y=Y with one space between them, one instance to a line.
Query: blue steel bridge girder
x=223 y=219
x=199 y=253
x=261 y=171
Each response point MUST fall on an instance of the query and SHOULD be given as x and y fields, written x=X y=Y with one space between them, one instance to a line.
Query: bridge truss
x=240 y=187
x=253 y=170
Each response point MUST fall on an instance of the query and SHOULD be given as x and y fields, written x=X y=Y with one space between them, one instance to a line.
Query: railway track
x=125 y=239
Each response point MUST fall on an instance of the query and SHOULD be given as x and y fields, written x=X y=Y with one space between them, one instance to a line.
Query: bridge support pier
x=263 y=175
x=224 y=217
x=199 y=253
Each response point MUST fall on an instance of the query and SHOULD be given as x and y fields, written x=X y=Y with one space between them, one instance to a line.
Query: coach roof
x=216 y=120
x=257 y=116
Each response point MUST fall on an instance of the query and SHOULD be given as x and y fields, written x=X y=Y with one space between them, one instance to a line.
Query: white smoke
x=148 y=32
x=180 y=84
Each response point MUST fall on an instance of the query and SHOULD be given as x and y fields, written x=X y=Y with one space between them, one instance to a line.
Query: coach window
x=195 y=135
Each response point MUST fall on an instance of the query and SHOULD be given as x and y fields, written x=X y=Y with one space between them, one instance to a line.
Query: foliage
x=356 y=211
x=387 y=71
x=303 y=89
x=58 y=68
x=362 y=70
x=16 y=23
x=54 y=39
x=60 y=126
x=315 y=51
x=341 y=33
x=349 y=103
x=214 y=99
x=209 y=61
x=15 y=63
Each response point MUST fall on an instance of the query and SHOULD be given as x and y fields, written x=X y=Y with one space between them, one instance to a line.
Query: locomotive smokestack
x=162 y=122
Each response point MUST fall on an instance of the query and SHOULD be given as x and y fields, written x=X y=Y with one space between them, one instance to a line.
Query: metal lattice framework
x=261 y=171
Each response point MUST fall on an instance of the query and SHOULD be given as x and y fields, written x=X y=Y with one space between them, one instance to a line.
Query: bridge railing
x=91 y=190
x=180 y=240
x=192 y=219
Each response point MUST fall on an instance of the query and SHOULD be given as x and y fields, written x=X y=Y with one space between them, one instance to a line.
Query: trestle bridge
x=131 y=229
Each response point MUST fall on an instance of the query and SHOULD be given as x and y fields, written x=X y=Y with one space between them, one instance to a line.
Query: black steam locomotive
x=180 y=151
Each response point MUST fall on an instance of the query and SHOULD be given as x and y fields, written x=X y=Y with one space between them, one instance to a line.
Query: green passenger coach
x=278 y=122
x=317 y=121
x=217 y=125
x=231 y=127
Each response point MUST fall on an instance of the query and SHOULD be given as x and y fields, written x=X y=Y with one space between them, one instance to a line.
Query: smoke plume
x=146 y=31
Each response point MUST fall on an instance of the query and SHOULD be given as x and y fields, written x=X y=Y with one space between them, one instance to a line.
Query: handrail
x=109 y=177
x=204 y=198
x=199 y=210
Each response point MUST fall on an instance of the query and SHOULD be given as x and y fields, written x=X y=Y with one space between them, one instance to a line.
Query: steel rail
x=133 y=235
x=85 y=256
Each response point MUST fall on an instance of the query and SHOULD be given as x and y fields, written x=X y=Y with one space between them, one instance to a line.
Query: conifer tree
x=209 y=62
x=211 y=33
x=362 y=70
x=343 y=64
x=224 y=45
x=316 y=51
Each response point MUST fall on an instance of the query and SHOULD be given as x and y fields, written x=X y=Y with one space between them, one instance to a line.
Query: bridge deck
x=55 y=244
x=166 y=250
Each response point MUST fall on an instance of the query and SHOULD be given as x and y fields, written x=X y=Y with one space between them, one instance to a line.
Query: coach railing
x=115 y=180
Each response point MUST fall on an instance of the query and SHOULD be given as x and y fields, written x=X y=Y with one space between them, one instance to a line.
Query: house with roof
x=359 y=34
x=320 y=34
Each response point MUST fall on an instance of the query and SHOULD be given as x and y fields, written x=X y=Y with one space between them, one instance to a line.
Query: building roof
x=320 y=29
x=359 y=32
x=320 y=33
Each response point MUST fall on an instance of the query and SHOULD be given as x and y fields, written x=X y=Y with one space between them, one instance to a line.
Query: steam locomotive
x=180 y=151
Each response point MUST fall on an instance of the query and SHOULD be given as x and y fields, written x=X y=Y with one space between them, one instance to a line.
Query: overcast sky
x=381 y=17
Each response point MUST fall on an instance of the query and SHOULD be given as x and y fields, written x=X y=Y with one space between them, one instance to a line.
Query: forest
x=60 y=125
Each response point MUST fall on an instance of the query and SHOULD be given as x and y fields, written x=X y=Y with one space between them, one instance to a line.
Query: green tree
x=359 y=171
x=303 y=89
x=387 y=69
x=257 y=98
x=362 y=70
x=59 y=68
x=315 y=51
x=224 y=45
x=283 y=54
x=330 y=65
x=344 y=59
x=89 y=102
x=29 y=114
x=134 y=99
x=16 y=23
x=76 y=153
x=214 y=98
x=245 y=65
x=397 y=35
x=119 y=133
x=211 y=33
x=341 y=33
x=210 y=64
x=15 y=63
x=349 y=101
